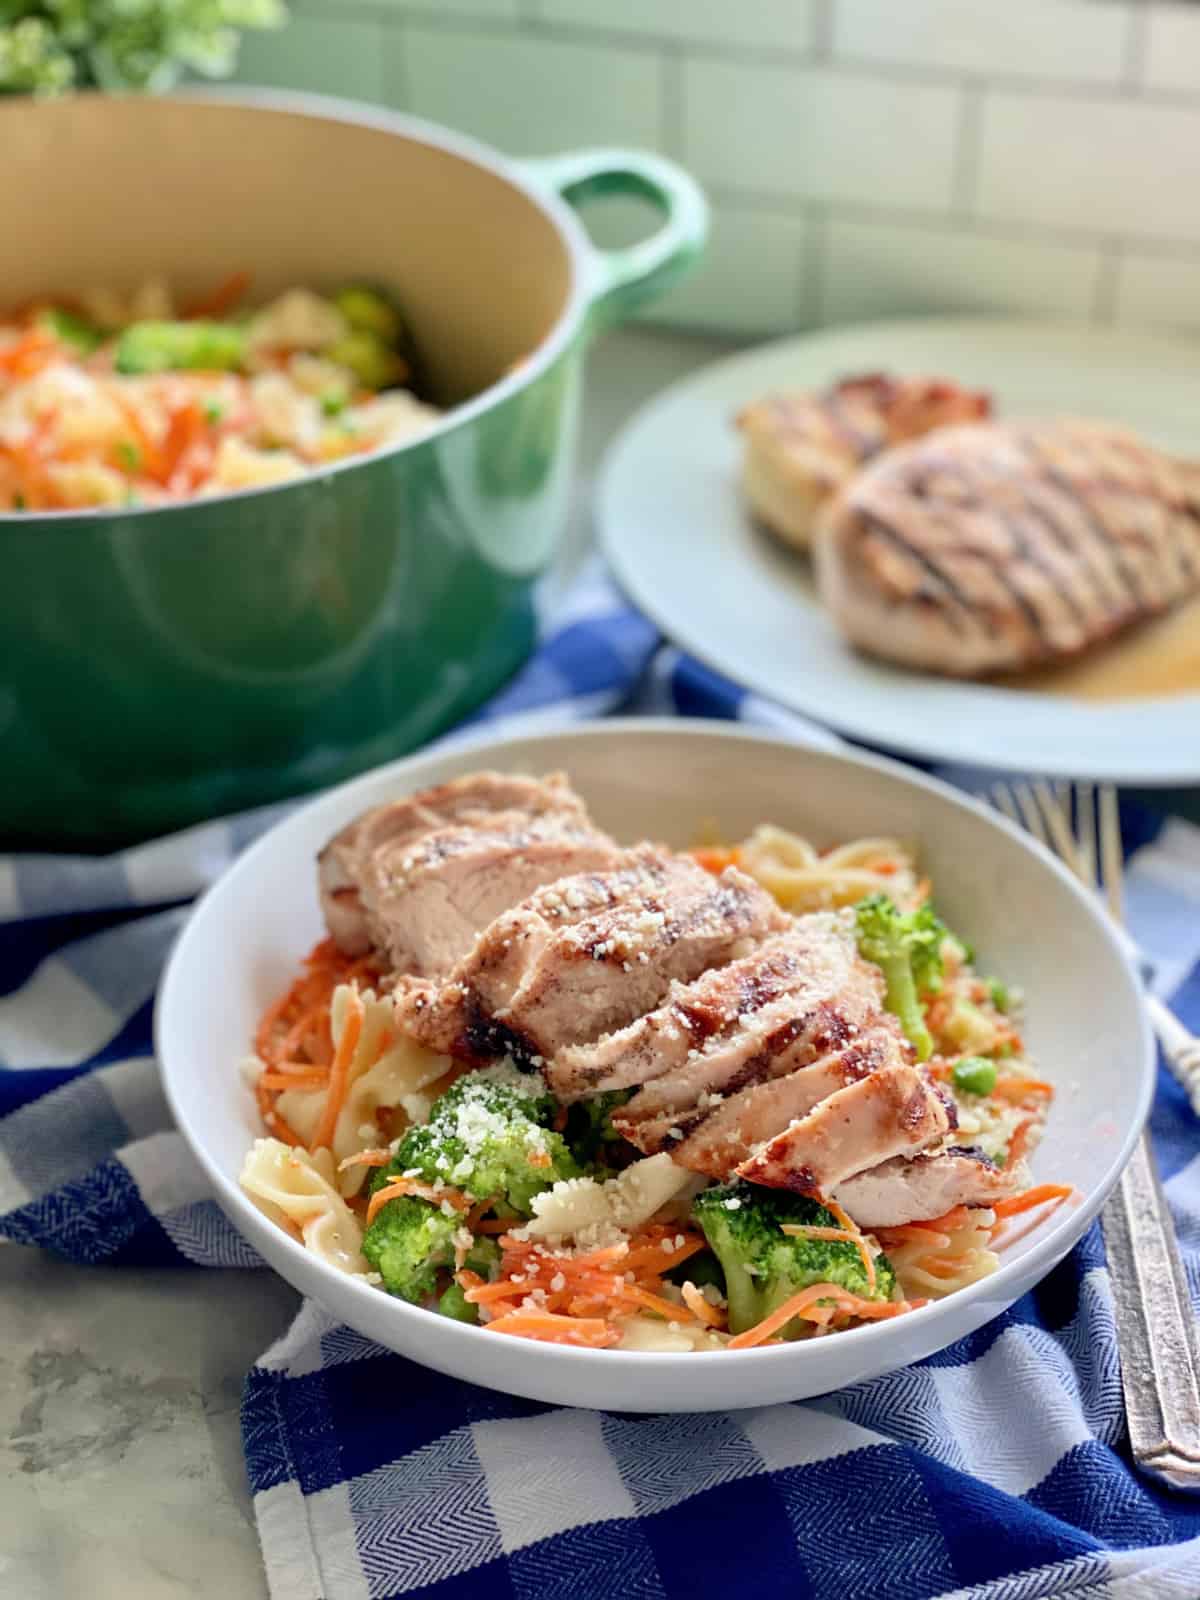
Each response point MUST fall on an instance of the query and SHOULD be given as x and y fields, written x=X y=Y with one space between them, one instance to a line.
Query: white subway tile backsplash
x=317 y=54
x=819 y=134
x=1113 y=166
x=878 y=269
x=530 y=95
x=1076 y=40
x=491 y=10
x=750 y=278
x=1173 y=47
x=1159 y=291
x=763 y=24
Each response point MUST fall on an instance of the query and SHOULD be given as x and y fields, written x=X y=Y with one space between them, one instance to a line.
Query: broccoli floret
x=75 y=331
x=369 y=310
x=589 y=1132
x=408 y=1243
x=907 y=948
x=487 y=1136
x=147 y=347
x=375 y=364
x=701 y=1269
x=763 y=1266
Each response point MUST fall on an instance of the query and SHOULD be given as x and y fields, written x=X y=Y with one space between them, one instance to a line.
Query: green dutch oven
x=166 y=665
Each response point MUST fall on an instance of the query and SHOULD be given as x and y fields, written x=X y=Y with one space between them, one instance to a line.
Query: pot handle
x=623 y=279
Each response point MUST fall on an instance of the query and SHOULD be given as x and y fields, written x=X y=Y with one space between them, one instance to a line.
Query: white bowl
x=1031 y=923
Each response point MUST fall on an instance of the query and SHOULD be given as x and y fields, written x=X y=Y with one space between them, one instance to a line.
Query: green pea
x=974 y=1075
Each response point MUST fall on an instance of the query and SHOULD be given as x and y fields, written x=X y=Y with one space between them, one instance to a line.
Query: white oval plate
x=1084 y=1021
x=683 y=545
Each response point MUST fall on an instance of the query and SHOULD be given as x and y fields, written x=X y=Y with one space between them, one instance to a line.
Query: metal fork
x=1156 y=1329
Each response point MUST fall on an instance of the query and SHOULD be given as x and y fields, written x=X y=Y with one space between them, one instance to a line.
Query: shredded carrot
x=715 y=858
x=948 y=1221
x=339 y=1073
x=366 y=1158
x=221 y=301
x=1018 y=1145
x=912 y=1232
x=282 y=1128
x=29 y=354
x=423 y=1191
x=1016 y=1089
x=540 y=1158
x=655 y=1302
x=150 y=456
x=656 y=1256
x=293 y=1080
x=187 y=432
x=782 y=1315
x=592 y=1332
x=1037 y=1196
x=700 y=1308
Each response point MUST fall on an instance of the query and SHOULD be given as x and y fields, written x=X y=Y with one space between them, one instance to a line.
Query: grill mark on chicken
x=973 y=521
x=716 y=1136
x=1115 y=596
x=875 y=524
x=990 y=547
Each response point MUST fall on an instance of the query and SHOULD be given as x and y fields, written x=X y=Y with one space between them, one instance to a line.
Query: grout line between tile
x=810 y=295
x=822 y=29
x=671 y=93
x=965 y=181
x=819 y=54
x=1000 y=228
x=1107 y=284
x=1137 y=43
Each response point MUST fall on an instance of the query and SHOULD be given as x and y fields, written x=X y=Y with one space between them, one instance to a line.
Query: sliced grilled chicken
x=427 y=900
x=723 y=1131
x=993 y=548
x=802 y=447
x=917 y=1188
x=802 y=992
x=469 y=801
x=590 y=953
x=893 y=1110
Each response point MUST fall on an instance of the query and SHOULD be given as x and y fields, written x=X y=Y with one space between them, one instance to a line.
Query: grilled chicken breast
x=756 y=1042
x=589 y=953
x=802 y=447
x=892 y=1111
x=367 y=869
x=798 y=995
x=917 y=1188
x=998 y=547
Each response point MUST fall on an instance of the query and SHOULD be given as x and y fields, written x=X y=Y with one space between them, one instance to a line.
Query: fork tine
x=1030 y=815
x=1110 y=851
x=1085 y=831
x=1058 y=822
x=1003 y=801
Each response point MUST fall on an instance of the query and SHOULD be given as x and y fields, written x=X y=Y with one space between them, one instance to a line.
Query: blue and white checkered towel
x=996 y=1469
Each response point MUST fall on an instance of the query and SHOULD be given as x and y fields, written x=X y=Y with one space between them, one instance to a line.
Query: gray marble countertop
x=121 y=1474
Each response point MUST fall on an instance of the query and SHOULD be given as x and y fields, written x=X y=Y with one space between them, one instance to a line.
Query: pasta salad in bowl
x=537 y=1089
